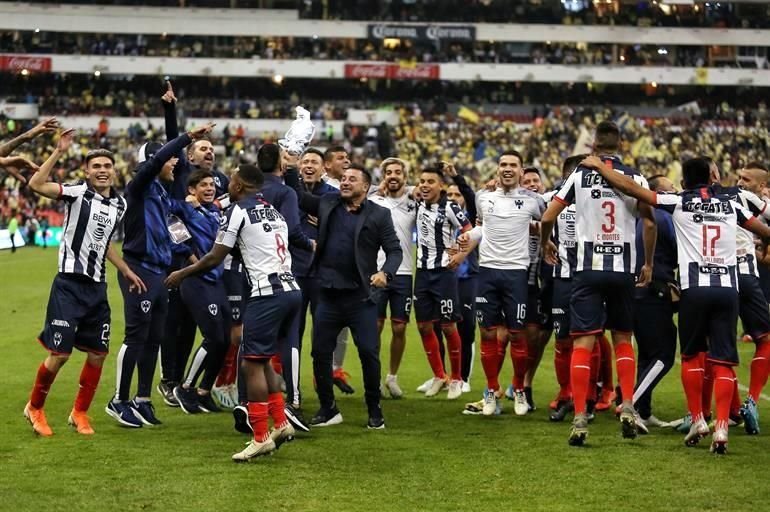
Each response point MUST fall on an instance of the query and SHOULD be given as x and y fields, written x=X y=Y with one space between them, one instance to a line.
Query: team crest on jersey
x=596 y=194
x=145 y=305
x=697 y=218
x=267 y=227
x=217 y=182
x=57 y=338
x=213 y=309
x=519 y=204
x=410 y=206
x=236 y=313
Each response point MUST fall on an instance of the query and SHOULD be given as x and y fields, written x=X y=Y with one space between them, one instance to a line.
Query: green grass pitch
x=431 y=457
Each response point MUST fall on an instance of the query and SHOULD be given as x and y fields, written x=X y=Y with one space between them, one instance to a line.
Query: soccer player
x=654 y=326
x=435 y=290
x=564 y=240
x=398 y=294
x=504 y=218
x=261 y=235
x=147 y=251
x=706 y=230
x=753 y=308
x=78 y=313
x=336 y=161
x=535 y=322
x=204 y=296
x=604 y=273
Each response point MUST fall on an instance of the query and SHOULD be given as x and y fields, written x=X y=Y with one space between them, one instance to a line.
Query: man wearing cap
x=147 y=251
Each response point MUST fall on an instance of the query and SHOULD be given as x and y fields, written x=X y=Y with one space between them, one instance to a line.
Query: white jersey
x=262 y=237
x=505 y=218
x=706 y=225
x=334 y=182
x=437 y=225
x=563 y=237
x=745 y=239
x=403 y=212
x=89 y=222
x=605 y=221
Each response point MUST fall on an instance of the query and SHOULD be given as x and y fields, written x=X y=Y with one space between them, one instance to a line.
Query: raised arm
x=619 y=181
x=49 y=125
x=169 y=112
x=39 y=181
x=290 y=212
x=308 y=202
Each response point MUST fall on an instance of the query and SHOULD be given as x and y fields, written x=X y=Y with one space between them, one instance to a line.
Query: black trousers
x=338 y=309
x=655 y=333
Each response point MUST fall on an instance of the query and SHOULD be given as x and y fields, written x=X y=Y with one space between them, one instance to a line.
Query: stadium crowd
x=278 y=48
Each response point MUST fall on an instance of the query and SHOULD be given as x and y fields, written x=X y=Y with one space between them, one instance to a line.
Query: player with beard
x=394 y=196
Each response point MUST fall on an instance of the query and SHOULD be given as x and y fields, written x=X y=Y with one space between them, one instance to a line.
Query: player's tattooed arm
x=550 y=252
x=619 y=181
x=136 y=282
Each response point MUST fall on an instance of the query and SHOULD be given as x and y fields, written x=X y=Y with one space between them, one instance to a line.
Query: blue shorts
x=501 y=298
x=398 y=294
x=78 y=315
x=708 y=320
x=208 y=304
x=267 y=320
x=592 y=291
x=560 y=314
x=752 y=307
x=436 y=296
x=237 y=293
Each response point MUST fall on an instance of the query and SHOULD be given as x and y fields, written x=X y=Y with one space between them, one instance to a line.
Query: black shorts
x=399 y=295
x=560 y=314
x=268 y=319
x=436 y=296
x=535 y=312
x=592 y=291
x=237 y=293
x=501 y=297
x=546 y=302
x=708 y=318
x=752 y=307
x=78 y=315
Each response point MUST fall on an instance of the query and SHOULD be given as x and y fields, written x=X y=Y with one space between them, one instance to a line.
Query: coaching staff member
x=351 y=230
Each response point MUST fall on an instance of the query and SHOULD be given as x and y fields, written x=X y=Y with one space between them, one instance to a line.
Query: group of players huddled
x=243 y=257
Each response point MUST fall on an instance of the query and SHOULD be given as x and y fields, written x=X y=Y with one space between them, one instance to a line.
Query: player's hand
x=382 y=188
x=49 y=125
x=174 y=279
x=464 y=241
x=492 y=185
x=14 y=164
x=199 y=132
x=456 y=259
x=192 y=201
x=593 y=162
x=65 y=140
x=288 y=160
x=314 y=244
x=312 y=220
x=534 y=228
x=645 y=276
x=379 y=280
x=449 y=169
x=136 y=282
x=168 y=96
x=551 y=253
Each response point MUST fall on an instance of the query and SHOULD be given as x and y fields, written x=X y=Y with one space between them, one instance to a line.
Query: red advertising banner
x=31 y=63
x=393 y=71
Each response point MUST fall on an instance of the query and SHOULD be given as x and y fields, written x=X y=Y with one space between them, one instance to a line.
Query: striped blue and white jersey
x=89 y=222
x=605 y=222
x=437 y=224
x=706 y=224
x=747 y=261
x=563 y=237
x=261 y=235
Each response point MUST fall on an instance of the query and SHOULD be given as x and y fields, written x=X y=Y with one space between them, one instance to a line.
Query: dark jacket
x=302 y=259
x=374 y=230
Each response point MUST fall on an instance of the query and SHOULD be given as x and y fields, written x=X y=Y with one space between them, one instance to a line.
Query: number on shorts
x=521 y=312
x=447 y=307
x=408 y=305
x=106 y=334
